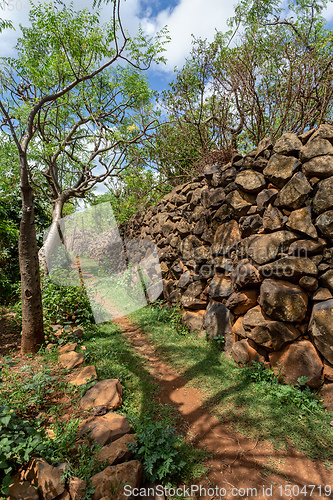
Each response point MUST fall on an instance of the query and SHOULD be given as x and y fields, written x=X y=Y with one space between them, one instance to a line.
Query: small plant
x=19 y=440
x=170 y=314
x=219 y=341
x=158 y=448
x=299 y=396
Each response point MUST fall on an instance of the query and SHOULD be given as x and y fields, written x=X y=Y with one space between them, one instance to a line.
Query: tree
x=56 y=58
x=270 y=73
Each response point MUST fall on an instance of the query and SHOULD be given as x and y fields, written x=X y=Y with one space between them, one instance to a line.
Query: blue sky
x=183 y=18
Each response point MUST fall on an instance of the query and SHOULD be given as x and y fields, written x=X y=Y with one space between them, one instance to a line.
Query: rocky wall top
x=247 y=250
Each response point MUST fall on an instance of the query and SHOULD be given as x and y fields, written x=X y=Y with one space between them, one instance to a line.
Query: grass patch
x=257 y=408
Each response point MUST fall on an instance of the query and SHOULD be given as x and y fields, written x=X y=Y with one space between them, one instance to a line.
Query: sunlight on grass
x=234 y=398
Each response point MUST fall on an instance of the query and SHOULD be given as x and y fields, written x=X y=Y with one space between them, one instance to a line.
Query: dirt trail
x=243 y=468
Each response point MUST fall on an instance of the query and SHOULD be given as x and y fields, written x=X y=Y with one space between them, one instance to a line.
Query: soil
x=240 y=468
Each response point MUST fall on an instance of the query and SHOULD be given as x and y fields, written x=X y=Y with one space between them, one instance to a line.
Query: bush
x=66 y=304
x=19 y=440
x=158 y=448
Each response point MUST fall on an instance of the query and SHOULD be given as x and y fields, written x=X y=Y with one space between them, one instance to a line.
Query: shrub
x=158 y=448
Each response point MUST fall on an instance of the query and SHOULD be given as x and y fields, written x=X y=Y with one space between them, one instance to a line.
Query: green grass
x=257 y=409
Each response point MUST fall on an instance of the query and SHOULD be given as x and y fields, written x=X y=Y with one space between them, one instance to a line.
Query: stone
x=86 y=375
x=48 y=480
x=77 y=488
x=245 y=351
x=289 y=267
x=265 y=197
x=67 y=348
x=321 y=167
x=323 y=199
x=328 y=373
x=216 y=197
x=288 y=144
x=325 y=131
x=306 y=247
x=190 y=298
x=218 y=320
x=280 y=169
x=201 y=254
x=117 y=452
x=265 y=247
x=250 y=181
x=272 y=219
x=168 y=228
x=183 y=228
x=293 y=195
x=245 y=274
x=272 y=335
x=240 y=302
x=250 y=225
x=21 y=490
x=315 y=147
x=107 y=393
x=238 y=329
x=283 y=301
x=324 y=223
x=300 y=220
x=321 y=328
x=263 y=146
x=326 y=279
x=322 y=294
x=106 y=428
x=296 y=360
x=238 y=205
x=110 y=483
x=226 y=238
x=185 y=280
x=71 y=359
x=194 y=319
x=220 y=288
x=306 y=135
x=309 y=283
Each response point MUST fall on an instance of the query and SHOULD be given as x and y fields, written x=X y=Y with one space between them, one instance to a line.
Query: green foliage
x=301 y=396
x=19 y=441
x=163 y=313
x=66 y=304
x=157 y=447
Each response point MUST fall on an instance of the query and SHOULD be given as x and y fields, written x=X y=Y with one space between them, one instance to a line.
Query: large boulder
x=250 y=181
x=289 y=267
x=245 y=351
x=280 y=169
x=323 y=199
x=49 y=480
x=194 y=319
x=191 y=297
x=288 y=144
x=240 y=302
x=114 y=481
x=320 y=167
x=321 y=328
x=283 y=301
x=265 y=247
x=325 y=224
x=296 y=360
x=220 y=288
x=273 y=335
x=106 y=428
x=117 y=451
x=106 y=393
x=245 y=274
x=294 y=193
x=316 y=147
x=300 y=220
x=226 y=238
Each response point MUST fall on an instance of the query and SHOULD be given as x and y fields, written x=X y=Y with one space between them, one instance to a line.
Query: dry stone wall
x=247 y=251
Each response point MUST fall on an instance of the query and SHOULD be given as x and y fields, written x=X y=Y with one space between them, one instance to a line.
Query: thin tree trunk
x=32 y=311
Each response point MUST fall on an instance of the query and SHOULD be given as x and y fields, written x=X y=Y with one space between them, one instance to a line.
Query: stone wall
x=247 y=250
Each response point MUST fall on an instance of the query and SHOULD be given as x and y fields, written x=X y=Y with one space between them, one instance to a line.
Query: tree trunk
x=32 y=311
x=56 y=216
